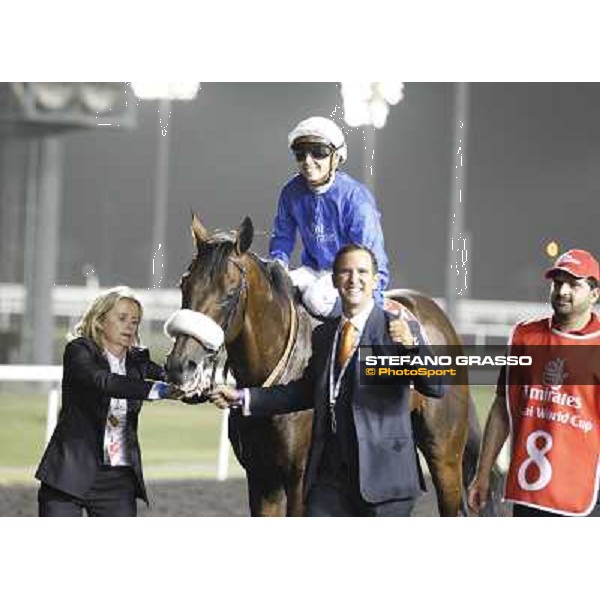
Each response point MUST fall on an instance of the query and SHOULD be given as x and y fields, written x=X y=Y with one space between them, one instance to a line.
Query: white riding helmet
x=322 y=128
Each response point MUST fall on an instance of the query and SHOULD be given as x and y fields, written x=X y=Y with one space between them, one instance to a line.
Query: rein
x=232 y=305
x=236 y=298
x=277 y=371
x=280 y=366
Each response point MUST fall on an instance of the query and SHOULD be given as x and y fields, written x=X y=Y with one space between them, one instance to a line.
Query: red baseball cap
x=578 y=263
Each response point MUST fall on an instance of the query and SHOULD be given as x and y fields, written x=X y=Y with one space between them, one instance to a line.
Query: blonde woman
x=93 y=460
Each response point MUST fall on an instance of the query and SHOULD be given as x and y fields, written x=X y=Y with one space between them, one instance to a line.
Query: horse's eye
x=227 y=298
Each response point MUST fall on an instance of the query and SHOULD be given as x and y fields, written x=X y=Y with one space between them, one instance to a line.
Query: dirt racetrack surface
x=184 y=498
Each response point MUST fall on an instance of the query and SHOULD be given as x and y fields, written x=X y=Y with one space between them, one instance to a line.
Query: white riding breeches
x=316 y=287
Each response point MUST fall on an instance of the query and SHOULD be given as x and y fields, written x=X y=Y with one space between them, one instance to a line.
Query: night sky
x=532 y=161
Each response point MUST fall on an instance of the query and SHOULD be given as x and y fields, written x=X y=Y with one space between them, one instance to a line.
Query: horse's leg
x=250 y=438
x=266 y=499
x=294 y=436
x=441 y=432
x=294 y=491
x=446 y=473
x=269 y=498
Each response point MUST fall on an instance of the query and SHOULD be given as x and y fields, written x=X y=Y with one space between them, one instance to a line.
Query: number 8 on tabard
x=537 y=457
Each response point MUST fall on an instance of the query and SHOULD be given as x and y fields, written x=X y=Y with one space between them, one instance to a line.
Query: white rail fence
x=52 y=375
x=38 y=374
x=479 y=318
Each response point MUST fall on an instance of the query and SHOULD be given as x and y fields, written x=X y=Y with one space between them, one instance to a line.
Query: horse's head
x=214 y=292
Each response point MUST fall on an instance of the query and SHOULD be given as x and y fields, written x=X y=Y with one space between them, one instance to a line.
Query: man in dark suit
x=362 y=459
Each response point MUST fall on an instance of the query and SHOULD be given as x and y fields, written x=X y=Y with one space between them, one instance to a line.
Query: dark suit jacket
x=75 y=451
x=387 y=462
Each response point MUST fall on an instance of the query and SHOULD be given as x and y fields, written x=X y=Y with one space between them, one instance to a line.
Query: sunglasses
x=316 y=150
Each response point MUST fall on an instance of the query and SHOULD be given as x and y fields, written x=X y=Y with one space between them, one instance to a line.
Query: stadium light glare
x=367 y=103
x=166 y=93
x=162 y=90
x=552 y=249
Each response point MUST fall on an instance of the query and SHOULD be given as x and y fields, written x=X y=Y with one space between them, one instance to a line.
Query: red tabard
x=555 y=424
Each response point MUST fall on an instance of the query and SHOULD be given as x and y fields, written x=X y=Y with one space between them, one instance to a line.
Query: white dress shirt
x=359 y=321
x=115 y=438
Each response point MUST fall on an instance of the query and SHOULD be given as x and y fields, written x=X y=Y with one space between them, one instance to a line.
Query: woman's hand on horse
x=225 y=396
x=194 y=399
x=174 y=392
x=169 y=391
x=401 y=334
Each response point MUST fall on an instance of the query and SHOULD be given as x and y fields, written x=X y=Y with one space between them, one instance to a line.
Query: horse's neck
x=262 y=341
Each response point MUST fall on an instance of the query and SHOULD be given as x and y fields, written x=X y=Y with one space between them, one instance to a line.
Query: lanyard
x=335 y=385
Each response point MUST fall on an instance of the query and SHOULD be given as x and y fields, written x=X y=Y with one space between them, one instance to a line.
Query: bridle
x=235 y=299
x=233 y=304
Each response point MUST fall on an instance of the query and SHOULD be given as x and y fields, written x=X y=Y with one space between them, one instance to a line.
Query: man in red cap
x=553 y=416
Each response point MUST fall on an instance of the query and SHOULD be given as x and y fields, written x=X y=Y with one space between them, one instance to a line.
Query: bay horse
x=267 y=336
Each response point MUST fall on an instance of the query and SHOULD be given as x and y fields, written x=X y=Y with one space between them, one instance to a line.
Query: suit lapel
x=375 y=329
x=131 y=366
x=374 y=334
x=328 y=352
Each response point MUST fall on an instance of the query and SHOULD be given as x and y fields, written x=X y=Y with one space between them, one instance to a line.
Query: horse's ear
x=199 y=232
x=245 y=234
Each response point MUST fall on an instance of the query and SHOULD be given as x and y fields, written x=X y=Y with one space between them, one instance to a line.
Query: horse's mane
x=214 y=252
x=277 y=275
x=218 y=248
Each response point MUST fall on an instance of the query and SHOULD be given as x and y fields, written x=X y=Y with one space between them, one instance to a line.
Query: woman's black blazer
x=75 y=451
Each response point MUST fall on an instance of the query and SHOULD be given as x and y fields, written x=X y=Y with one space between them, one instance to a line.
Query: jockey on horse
x=329 y=209
x=252 y=315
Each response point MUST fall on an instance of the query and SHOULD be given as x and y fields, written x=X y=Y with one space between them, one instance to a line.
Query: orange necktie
x=346 y=343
